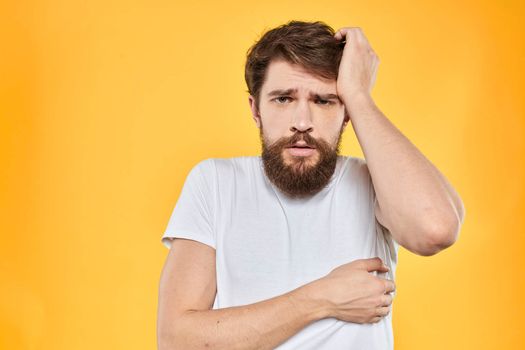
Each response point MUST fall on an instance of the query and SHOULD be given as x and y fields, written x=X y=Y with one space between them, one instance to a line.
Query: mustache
x=299 y=136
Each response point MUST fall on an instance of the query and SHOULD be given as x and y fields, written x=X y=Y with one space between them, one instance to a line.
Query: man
x=297 y=248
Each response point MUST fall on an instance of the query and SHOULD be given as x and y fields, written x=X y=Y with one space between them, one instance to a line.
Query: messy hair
x=309 y=44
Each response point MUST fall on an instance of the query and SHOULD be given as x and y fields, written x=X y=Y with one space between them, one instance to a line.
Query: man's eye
x=324 y=102
x=280 y=98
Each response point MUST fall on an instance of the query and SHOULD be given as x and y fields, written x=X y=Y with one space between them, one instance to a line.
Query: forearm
x=413 y=195
x=262 y=325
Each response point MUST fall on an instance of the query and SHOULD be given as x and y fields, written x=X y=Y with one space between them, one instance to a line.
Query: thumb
x=375 y=264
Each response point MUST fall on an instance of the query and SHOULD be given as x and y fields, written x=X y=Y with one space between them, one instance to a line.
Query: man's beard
x=299 y=176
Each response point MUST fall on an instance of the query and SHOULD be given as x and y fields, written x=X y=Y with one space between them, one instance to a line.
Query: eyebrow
x=280 y=92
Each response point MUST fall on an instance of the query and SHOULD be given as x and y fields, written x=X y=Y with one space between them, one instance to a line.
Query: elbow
x=441 y=237
x=167 y=336
x=165 y=340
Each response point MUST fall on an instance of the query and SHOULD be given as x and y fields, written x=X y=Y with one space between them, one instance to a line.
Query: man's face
x=297 y=108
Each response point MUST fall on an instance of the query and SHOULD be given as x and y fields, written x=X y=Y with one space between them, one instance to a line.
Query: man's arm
x=186 y=294
x=262 y=325
x=414 y=200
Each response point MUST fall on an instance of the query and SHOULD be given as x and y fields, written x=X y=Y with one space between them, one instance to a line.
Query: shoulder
x=221 y=167
x=354 y=174
x=355 y=166
x=202 y=169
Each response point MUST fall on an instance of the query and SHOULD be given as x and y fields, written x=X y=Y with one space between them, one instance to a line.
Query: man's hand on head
x=358 y=66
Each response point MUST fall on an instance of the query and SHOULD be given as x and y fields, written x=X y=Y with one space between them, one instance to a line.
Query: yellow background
x=106 y=105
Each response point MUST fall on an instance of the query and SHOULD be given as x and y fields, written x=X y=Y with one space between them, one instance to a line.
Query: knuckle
x=385 y=311
x=393 y=286
x=384 y=286
x=380 y=312
x=380 y=301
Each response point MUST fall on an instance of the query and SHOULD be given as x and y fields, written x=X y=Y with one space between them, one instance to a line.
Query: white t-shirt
x=268 y=244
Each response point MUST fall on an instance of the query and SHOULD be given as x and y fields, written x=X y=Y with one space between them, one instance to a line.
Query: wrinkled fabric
x=268 y=244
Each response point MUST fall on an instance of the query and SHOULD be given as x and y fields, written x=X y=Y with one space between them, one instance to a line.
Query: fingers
x=356 y=32
x=382 y=311
x=341 y=33
x=390 y=286
x=386 y=300
x=373 y=264
x=356 y=35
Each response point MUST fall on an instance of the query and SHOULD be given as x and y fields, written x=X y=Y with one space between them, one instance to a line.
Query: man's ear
x=255 y=113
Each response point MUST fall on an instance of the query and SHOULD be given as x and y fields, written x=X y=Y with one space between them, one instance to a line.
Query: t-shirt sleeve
x=192 y=216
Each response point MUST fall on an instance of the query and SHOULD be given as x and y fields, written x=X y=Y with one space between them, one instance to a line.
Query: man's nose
x=302 y=118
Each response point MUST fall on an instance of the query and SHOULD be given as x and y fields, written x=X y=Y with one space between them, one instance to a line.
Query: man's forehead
x=293 y=79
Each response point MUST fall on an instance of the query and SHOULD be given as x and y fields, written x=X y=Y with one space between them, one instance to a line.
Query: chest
x=270 y=247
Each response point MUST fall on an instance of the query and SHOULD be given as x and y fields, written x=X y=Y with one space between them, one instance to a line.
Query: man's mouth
x=300 y=145
x=301 y=150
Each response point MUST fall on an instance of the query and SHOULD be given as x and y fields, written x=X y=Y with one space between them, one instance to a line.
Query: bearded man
x=297 y=248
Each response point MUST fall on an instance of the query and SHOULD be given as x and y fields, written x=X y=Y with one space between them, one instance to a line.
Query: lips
x=301 y=151
x=300 y=145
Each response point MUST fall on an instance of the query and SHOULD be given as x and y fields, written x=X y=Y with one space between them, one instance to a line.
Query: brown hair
x=309 y=44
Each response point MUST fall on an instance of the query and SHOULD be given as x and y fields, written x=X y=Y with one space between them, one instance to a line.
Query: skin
x=414 y=199
x=272 y=321
x=415 y=202
x=287 y=114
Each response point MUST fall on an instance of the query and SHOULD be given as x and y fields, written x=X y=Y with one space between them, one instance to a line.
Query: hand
x=358 y=66
x=354 y=294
